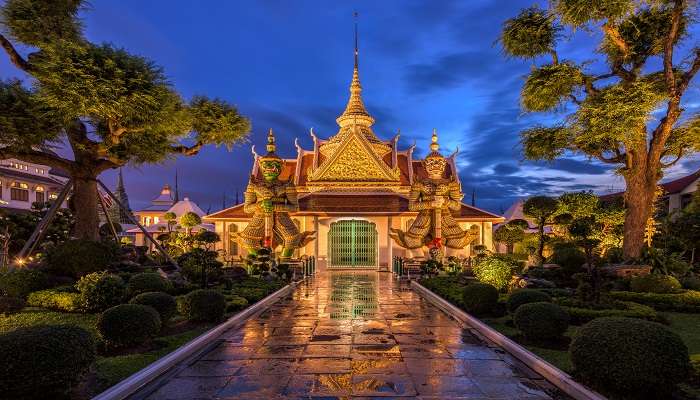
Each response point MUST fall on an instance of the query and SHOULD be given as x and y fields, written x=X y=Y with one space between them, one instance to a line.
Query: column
x=389 y=243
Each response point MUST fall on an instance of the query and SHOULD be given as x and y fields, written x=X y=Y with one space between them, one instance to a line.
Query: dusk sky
x=287 y=65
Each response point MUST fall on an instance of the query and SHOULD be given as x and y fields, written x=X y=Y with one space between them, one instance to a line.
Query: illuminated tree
x=542 y=210
x=622 y=105
x=109 y=106
x=510 y=233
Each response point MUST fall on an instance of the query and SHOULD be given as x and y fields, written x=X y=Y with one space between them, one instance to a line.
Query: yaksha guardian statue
x=270 y=200
x=434 y=197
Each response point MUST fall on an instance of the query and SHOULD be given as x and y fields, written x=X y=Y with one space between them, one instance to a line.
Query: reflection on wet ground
x=353 y=335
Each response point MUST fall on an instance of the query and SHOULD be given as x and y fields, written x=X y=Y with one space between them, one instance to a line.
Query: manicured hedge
x=479 y=298
x=61 y=299
x=44 y=362
x=686 y=301
x=100 y=291
x=631 y=357
x=541 y=320
x=164 y=303
x=525 y=296
x=580 y=315
x=202 y=305
x=446 y=287
x=11 y=305
x=21 y=282
x=148 y=282
x=655 y=283
x=79 y=257
x=235 y=303
x=128 y=324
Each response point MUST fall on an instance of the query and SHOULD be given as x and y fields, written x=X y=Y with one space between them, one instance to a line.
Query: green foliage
x=664 y=262
x=56 y=299
x=691 y=282
x=479 y=298
x=541 y=208
x=549 y=86
x=24 y=119
x=202 y=305
x=629 y=356
x=128 y=324
x=544 y=143
x=78 y=257
x=580 y=12
x=447 y=287
x=164 y=303
x=568 y=257
x=100 y=291
x=583 y=312
x=44 y=362
x=190 y=220
x=686 y=301
x=21 y=282
x=655 y=283
x=530 y=34
x=541 y=320
x=525 y=296
x=11 y=305
x=494 y=271
x=147 y=282
x=39 y=22
x=235 y=303
x=510 y=233
x=200 y=266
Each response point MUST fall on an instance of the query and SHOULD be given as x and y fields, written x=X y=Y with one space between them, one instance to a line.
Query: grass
x=32 y=316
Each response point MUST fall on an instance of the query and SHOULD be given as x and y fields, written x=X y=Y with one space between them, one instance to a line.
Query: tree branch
x=618 y=158
x=678 y=157
x=38 y=157
x=187 y=150
x=15 y=57
x=613 y=33
x=690 y=73
x=668 y=47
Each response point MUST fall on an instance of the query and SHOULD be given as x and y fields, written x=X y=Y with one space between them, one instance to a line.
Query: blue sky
x=287 y=65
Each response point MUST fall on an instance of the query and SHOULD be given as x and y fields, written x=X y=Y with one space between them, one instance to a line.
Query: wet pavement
x=353 y=335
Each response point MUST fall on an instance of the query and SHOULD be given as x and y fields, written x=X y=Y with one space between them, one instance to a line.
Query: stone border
x=554 y=375
x=140 y=379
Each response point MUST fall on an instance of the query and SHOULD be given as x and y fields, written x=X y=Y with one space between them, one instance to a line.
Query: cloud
x=576 y=166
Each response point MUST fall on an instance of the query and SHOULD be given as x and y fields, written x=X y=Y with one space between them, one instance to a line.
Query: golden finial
x=434 y=146
x=270 y=142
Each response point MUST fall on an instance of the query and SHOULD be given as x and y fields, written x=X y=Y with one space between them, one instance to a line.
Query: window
x=155 y=220
x=146 y=221
x=40 y=196
x=19 y=191
x=53 y=196
x=232 y=239
x=40 y=171
x=686 y=199
x=19 y=166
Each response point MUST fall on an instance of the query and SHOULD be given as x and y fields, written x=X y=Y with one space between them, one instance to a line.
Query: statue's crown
x=270 y=147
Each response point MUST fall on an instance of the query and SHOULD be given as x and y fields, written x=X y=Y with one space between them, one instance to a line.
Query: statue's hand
x=267 y=205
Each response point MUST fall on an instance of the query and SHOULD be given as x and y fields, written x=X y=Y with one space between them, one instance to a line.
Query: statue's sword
x=437 y=223
x=269 y=228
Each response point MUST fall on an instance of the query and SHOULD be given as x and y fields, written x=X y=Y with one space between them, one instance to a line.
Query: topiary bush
x=11 y=305
x=524 y=296
x=80 y=257
x=164 y=303
x=128 y=324
x=569 y=257
x=100 y=291
x=655 y=283
x=685 y=301
x=235 y=303
x=202 y=305
x=479 y=298
x=44 y=362
x=691 y=282
x=541 y=320
x=193 y=263
x=629 y=356
x=21 y=282
x=56 y=299
x=148 y=282
x=494 y=271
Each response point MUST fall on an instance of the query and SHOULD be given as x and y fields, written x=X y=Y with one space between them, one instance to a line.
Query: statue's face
x=271 y=170
x=435 y=167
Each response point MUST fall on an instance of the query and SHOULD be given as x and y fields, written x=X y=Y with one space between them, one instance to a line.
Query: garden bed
x=686 y=301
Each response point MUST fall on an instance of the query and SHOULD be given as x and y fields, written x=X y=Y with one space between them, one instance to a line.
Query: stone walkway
x=353 y=335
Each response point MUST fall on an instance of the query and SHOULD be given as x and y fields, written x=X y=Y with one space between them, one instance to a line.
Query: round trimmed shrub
x=629 y=356
x=494 y=270
x=236 y=303
x=525 y=296
x=80 y=257
x=148 y=282
x=100 y=291
x=541 y=320
x=691 y=282
x=655 y=283
x=44 y=362
x=569 y=257
x=128 y=324
x=21 y=282
x=479 y=298
x=202 y=305
x=11 y=305
x=164 y=303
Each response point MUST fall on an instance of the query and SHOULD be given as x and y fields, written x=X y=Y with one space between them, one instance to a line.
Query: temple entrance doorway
x=352 y=244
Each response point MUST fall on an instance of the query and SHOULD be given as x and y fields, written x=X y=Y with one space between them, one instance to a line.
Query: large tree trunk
x=639 y=201
x=85 y=203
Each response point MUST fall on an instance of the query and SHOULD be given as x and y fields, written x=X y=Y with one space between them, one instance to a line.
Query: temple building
x=352 y=188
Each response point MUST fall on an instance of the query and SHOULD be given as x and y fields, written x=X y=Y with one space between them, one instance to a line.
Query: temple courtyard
x=351 y=334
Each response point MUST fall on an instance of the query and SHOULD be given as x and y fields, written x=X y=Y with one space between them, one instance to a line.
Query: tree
x=612 y=97
x=109 y=106
x=577 y=206
x=585 y=231
x=542 y=210
x=510 y=233
x=189 y=220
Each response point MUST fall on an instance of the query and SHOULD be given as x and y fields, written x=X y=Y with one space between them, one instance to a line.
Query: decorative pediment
x=354 y=160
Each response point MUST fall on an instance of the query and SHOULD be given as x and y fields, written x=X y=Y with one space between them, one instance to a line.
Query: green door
x=352 y=244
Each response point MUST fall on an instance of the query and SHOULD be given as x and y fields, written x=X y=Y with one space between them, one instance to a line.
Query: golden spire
x=355 y=112
x=270 y=142
x=434 y=146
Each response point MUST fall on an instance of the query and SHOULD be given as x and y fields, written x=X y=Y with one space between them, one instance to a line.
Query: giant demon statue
x=434 y=197
x=270 y=200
